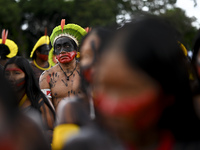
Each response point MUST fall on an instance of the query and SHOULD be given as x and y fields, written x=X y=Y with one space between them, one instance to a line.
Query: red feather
x=62 y=24
x=4 y=36
x=88 y=29
x=45 y=31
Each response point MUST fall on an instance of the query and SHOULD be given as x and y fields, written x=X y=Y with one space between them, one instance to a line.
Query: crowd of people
x=131 y=88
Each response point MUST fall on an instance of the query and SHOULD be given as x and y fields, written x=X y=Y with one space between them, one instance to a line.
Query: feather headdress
x=12 y=46
x=43 y=40
x=73 y=31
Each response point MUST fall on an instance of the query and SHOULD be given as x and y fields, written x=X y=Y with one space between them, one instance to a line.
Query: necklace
x=22 y=100
x=65 y=73
x=41 y=67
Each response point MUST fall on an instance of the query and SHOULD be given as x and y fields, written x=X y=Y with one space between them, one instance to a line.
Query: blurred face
x=43 y=52
x=127 y=98
x=64 y=50
x=15 y=76
x=88 y=50
x=198 y=63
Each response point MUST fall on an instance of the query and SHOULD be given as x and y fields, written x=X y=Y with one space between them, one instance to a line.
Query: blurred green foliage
x=26 y=19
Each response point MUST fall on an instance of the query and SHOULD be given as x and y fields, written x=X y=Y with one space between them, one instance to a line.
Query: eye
x=17 y=72
x=7 y=73
x=66 y=46
x=58 y=47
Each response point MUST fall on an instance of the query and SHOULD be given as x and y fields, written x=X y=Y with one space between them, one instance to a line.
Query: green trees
x=27 y=19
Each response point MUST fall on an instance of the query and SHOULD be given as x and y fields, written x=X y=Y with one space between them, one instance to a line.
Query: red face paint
x=13 y=69
x=43 y=57
x=142 y=109
x=87 y=73
x=66 y=57
x=18 y=85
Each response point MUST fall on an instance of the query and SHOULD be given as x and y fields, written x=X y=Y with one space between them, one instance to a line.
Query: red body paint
x=66 y=57
x=48 y=78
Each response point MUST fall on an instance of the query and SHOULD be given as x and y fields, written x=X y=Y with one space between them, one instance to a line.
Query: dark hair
x=8 y=99
x=151 y=45
x=103 y=35
x=196 y=47
x=4 y=50
x=32 y=87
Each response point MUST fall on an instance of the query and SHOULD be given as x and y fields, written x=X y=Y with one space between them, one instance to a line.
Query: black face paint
x=64 y=44
x=44 y=49
x=18 y=85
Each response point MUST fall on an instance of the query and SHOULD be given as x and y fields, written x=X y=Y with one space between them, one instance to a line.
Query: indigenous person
x=78 y=112
x=63 y=79
x=8 y=48
x=39 y=56
x=30 y=98
x=142 y=102
x=17 y=131
x=52 y=58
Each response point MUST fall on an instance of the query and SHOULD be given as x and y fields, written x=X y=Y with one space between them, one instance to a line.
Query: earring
x=77 y=54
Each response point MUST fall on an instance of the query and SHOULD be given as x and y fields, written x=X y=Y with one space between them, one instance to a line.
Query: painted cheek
x=66 y=57
x=142 y=110
x=43 y=57
x=20 y=83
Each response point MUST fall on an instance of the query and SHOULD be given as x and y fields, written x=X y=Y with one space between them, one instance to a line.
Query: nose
x=62 y=51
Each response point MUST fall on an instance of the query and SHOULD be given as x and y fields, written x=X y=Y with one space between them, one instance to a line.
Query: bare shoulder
x=45 y=78
x=47 y=73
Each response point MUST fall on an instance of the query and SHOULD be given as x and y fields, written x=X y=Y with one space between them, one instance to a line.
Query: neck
x=68 y=66
x=20 y=94
x=41 y=63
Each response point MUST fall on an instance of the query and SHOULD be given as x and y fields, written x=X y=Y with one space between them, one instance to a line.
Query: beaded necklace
x=65 y=72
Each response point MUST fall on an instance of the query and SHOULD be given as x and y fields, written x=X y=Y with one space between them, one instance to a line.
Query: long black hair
x=152 y=45
x=32 y=87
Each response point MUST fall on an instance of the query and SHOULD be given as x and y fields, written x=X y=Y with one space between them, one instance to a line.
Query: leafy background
x=26 y=19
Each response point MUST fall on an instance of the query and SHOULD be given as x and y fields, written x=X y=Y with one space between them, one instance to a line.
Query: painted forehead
x=45 y=47
x=63 y=40
x=13 y=69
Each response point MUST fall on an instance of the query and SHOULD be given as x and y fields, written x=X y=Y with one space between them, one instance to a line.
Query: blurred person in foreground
x=8 y=48
x=142 y=93
x=196 y=67
x=78 y=112
x=39 y=56
x=17 y=131
x=30 y=98
x=63 y=79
